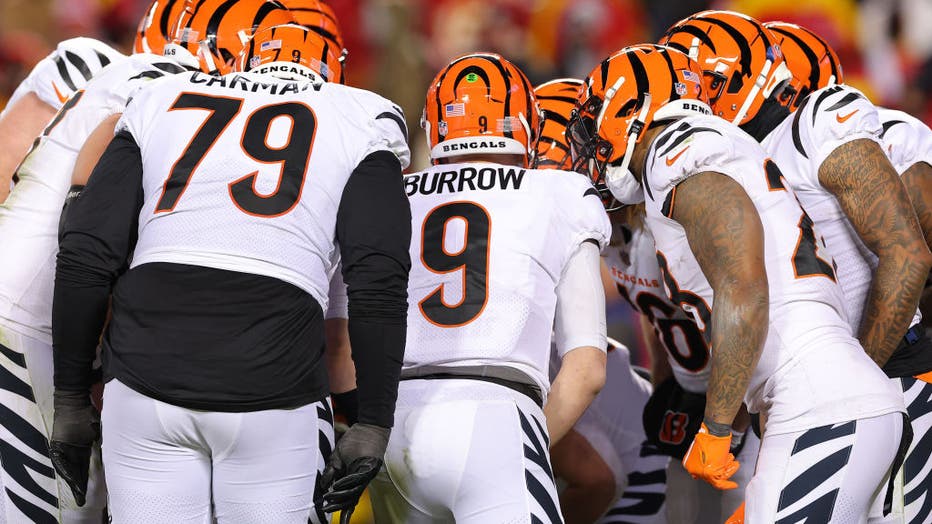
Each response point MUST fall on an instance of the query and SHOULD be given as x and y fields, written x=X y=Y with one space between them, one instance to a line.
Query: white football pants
x=825 y=474
x=465 y=451
x=29 y=491
x=172 y=465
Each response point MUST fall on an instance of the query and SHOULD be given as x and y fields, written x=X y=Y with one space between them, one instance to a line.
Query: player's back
x=632 y=265
x=29 y=217
x=808 y=335
x=246 y=172
x=489 y=244
x=826 y=119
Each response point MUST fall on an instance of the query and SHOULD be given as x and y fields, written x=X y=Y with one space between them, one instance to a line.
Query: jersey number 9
x=471 y=260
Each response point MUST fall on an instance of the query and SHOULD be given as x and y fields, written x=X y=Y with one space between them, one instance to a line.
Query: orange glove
x=737 y=517
x=708 y=458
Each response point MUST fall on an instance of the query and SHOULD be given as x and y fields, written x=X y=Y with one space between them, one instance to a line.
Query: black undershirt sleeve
x=374 y=233
x=96 y=240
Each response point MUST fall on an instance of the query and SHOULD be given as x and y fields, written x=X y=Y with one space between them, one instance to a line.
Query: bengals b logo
x=673 y=429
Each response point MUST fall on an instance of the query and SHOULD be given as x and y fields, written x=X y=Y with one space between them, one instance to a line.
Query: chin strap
x=634 y=132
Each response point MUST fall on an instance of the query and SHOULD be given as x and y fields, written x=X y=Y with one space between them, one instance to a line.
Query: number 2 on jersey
x=292 y=156
x=806 y=261
x=472 y=260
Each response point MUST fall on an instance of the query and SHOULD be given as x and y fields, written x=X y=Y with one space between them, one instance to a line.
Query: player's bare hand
x=356 y=460
x=709 y=458
x=75 y=428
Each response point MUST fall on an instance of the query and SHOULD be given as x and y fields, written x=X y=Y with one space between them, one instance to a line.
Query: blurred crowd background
x=396 y=46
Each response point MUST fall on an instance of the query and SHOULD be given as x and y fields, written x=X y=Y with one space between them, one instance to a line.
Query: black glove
x=75 y=428
x=356 y=460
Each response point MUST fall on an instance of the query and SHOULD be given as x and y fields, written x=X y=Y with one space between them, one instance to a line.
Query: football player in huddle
x=29 y=221
x=834 y=156
x=218 y=248
x=611 y=473
x=736 y=252
x=37 y=98
x=907 y=142
x=504 y=256
x=680 y=358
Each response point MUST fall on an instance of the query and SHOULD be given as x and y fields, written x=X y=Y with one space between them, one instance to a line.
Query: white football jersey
x=255 y=157
x=809 y=359
x=66 y=70
x=489 y=244
x=906 y=139
x=632 y=263
x=827 y=119
x=29 y=217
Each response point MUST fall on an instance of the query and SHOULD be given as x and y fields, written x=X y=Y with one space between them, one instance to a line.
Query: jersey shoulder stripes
x=906 y=139
x=691 y=146
x=66 y=70
x=829 y=118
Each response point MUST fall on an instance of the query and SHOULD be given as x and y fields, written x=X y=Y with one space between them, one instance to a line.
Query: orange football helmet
x=812 y=61
x=623 y=95
x=290 y=51
x=153 y=31
x=478 y=104
x=213 y=32
x=741 y=61
x=556 y=100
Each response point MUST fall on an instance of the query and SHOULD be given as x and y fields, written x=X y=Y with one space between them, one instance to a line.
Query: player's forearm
x=590 y=483
x=374 y=234
x=579 y=380
x=891 y=303
x=740 y=321
x=876 y=202
x=98 y=236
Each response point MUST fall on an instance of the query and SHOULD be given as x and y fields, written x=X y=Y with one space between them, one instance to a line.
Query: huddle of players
x=458 y=278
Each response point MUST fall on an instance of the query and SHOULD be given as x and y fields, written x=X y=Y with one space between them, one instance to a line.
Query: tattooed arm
x=918 y=182
x=728 y=243
x=878 y=206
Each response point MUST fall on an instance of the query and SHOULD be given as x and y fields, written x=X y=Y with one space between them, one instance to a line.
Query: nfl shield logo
x=442 y=128
x=680 y=88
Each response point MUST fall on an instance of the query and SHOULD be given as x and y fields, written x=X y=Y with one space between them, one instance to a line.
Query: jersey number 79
x=292 y=157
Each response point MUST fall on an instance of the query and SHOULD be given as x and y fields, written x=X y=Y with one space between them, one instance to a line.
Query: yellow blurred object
x=362 y=514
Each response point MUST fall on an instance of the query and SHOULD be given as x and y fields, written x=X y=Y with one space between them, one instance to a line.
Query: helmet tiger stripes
x=290 y=51
x=740 y=59
x=153 y=31
x=810 y=58
x=626 y=93
x=215 y=31
x=317 y=16
x=556 y=100
x=480 y=104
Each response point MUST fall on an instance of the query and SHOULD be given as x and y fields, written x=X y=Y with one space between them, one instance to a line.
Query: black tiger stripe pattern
x=539 y=480
x=815 y=479
x=28 y=477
